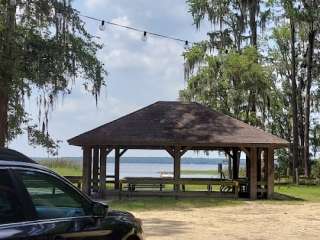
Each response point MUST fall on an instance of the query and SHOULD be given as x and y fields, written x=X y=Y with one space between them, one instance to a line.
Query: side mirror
x=99 y=209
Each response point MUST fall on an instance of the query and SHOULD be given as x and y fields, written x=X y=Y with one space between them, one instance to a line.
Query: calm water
x=154 y=169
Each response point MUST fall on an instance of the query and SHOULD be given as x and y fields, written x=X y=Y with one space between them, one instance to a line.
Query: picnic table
x=132 y=184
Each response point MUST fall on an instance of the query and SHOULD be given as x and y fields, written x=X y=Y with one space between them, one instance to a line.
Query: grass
x=288 y=194
x=309 y=193
x=64 y=167
x=67 y=171
x=170 y=203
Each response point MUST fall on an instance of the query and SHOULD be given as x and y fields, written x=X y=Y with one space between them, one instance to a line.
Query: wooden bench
x=145 y=183
x=145 y=186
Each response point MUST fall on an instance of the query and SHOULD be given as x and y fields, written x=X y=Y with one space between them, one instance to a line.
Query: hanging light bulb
x=144 y=37
x=186 y=45
x=13 y=2
x=102 y=26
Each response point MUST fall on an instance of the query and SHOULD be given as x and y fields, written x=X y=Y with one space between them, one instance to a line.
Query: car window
x=10 y=208
x=52 y=198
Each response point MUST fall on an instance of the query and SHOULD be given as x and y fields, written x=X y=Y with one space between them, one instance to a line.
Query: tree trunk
x=306 y=157
x=294 y=101
x=253 y=23
x=3 y=118
x=253 y=8
x=301 y=118
x=7 y=71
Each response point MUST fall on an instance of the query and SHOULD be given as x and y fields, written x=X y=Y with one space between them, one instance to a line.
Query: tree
x=44 y=49
x=218 y=74
x=224 y=82
x=221 y=71
x=311 y=17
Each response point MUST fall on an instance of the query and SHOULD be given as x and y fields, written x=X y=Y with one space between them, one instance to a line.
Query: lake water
x=154 y=169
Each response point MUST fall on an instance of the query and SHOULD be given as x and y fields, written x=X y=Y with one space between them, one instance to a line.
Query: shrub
x=315 y=169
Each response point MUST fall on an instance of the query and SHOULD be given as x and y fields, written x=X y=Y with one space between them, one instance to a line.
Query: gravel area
x=252 y=220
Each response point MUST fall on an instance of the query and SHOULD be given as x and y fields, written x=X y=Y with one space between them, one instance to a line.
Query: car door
x=60 y=210
x=15 y=213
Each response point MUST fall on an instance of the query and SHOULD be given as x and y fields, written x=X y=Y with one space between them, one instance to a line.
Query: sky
x=139 y=73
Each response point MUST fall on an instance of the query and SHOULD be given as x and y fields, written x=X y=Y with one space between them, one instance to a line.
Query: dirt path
x=253 y=220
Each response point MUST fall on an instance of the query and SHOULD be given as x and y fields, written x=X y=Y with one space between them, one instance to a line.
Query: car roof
x=4 y=163
x=7 y=154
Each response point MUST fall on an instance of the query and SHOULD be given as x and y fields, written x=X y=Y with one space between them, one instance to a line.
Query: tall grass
x=62 y=166
x=60 y=163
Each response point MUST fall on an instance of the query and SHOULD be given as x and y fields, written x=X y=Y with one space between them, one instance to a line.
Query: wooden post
x=253 y=173
x=259 y=152
x=103 y=169
x=235 y=163
x=265 y=169
x=247 y=166
x=176 y=167
x=229 y=167
x=270 y=177
x=86 y=170
x=116 y=168
x=95 y=169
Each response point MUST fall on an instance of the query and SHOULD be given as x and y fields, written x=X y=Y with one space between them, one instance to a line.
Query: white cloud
x=93 y=4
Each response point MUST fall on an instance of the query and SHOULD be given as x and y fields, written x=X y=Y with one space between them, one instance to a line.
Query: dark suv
x=36 y=203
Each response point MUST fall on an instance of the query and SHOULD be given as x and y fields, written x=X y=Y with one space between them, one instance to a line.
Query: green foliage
x=315 y=169
x=283 y=162
x=43 y=50
x=225 y=82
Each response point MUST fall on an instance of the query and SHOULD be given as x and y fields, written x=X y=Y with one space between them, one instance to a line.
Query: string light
x=144 y=36
x=102 y=26
x=145 y=33
x=186 y=44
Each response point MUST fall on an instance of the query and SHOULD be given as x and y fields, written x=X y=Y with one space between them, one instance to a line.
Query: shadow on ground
x=156 y=227
x=284 y=197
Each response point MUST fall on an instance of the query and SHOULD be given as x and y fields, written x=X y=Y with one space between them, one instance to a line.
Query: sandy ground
x=253 y=220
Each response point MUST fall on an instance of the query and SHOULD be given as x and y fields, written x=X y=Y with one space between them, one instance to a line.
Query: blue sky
x=140 y=73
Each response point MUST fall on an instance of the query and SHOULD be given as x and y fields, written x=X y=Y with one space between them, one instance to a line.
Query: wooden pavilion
x=178 y=127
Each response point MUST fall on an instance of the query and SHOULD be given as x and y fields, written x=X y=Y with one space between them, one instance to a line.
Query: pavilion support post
x=177 y=167
x=235 y=164
x=259 y=165
x=270 y=176
x=86 y=170
x=265 y=170
x=95 y=169
x=247 y=166
x=102 y=173
x=229 y=167
x=253 y=173
x=116 y=168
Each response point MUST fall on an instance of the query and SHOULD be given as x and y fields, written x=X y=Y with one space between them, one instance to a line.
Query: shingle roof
x=176 y=123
